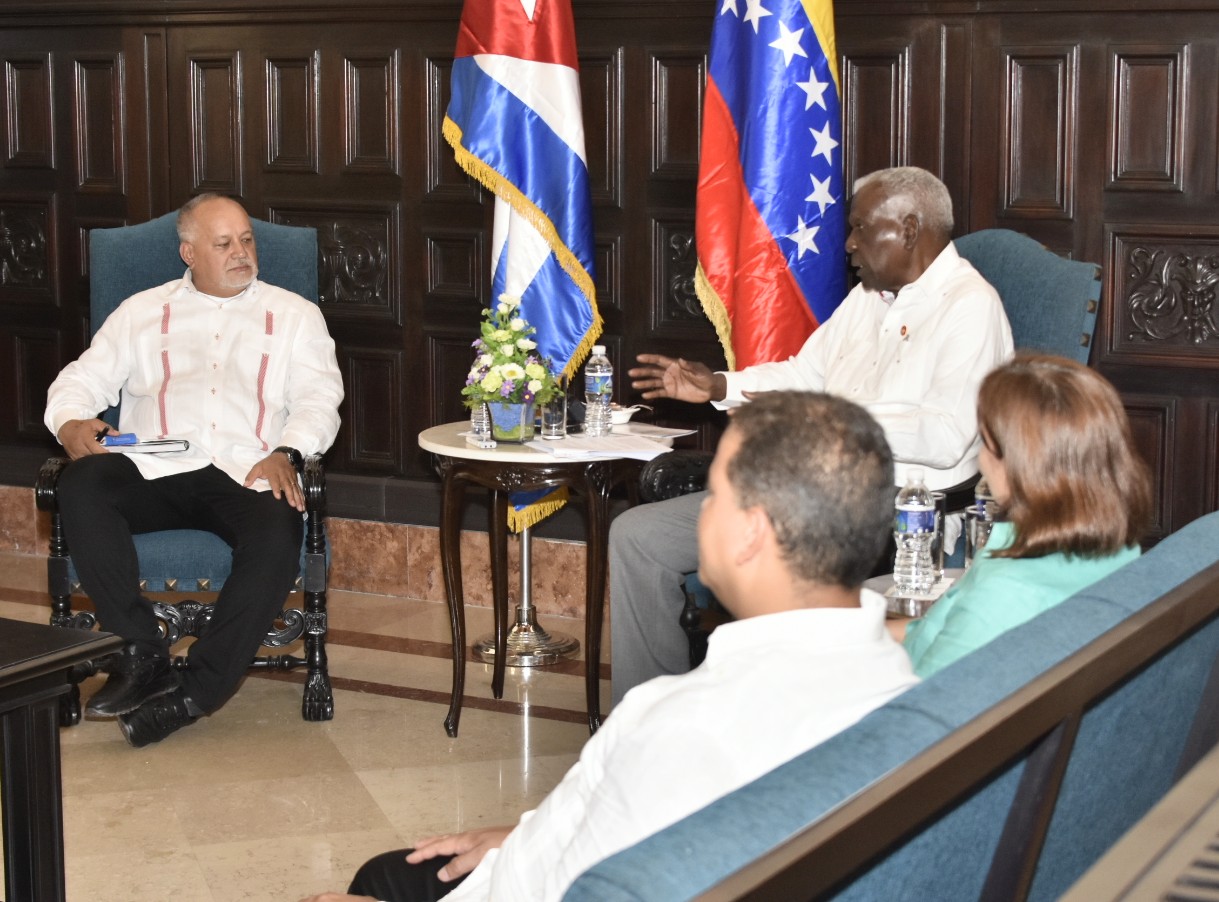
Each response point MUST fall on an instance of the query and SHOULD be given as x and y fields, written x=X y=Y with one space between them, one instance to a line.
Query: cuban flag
x=515 y=124
x=770 y=221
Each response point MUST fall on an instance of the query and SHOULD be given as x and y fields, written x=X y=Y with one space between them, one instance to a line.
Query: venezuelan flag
x=770 y=221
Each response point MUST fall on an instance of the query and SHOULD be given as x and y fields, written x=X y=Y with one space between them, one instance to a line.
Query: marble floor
x=253 y=803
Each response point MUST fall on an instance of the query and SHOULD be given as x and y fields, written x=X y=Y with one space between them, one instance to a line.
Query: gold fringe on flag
x=493 y=181
x=536 y=512
x=716 y=312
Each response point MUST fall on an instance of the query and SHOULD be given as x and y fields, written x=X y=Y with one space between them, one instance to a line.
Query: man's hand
x=277 y=470
x=79 y=437
x=336 y=897
x=469 y=848
x=685 y=380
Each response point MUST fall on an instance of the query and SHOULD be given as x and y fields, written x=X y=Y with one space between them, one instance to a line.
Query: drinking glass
x=554 y=417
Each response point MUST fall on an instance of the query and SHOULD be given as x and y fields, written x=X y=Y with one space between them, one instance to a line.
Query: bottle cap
x=598 y=350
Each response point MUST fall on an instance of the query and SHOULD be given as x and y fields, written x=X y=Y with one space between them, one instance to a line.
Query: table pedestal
x=528 y=644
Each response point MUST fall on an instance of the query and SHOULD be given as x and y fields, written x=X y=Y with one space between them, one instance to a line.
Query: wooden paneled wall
x=1089 y=125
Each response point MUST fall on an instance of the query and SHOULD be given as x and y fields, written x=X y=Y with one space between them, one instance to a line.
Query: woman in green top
x=1074 y=501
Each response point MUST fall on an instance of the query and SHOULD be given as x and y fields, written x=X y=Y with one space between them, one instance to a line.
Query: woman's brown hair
x=1076 y=483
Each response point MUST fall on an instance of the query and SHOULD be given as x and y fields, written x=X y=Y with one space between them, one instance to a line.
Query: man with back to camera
x=247 y=373
x=911 y=343
x=799 y=506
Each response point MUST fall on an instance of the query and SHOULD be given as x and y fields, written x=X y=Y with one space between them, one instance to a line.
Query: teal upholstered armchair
x=1051 y=304
x=127 y=260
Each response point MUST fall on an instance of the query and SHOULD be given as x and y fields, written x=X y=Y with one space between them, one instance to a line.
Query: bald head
x=217 y=243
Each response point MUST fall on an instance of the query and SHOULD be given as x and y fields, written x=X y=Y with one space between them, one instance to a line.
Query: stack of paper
x=639 y=441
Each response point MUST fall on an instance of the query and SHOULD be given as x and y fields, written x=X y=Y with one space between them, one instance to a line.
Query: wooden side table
x=503 y=470
x=34 y=665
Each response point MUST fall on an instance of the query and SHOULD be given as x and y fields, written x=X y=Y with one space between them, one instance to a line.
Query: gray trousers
x=650 y=548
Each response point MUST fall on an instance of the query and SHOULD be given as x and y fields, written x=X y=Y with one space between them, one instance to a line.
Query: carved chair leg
x=318 y=700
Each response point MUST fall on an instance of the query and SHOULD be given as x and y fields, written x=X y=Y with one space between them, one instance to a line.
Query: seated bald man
x=246 y=372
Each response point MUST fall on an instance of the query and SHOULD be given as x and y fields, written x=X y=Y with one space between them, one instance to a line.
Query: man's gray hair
x=186 y=215
x=928 y=197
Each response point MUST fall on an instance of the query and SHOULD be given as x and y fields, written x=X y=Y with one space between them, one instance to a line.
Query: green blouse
x=996 y=594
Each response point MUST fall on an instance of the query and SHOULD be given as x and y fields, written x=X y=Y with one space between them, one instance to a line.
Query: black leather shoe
x=135 y=677
x=156 y=719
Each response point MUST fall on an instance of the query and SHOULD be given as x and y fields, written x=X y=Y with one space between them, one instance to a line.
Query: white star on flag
x=789 y=43
x=730 y=5
x=754 y=13
x=825 y=143
x=821 y=194
x=813 y=88
x=803 y=236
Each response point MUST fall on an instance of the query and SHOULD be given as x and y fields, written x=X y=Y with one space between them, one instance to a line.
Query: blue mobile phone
x=121 y=438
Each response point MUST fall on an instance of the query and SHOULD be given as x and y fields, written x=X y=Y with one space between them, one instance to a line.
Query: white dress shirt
x=236 y=377
x=771 y=687
x=914 y=363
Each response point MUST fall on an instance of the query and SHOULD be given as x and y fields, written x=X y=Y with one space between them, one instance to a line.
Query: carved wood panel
x=1162 y=288
x=1153 y=426
x=29 y=116
x=216 y=123
x=1147 y=120
x=98 y=113
x=678 y=84
x=291 y=112
x=357 y=259
x=876 y=105
x=1040 y=103
x=374 y=437
x=27 y=250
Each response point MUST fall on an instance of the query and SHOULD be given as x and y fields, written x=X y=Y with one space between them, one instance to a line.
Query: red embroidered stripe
x=262 y=379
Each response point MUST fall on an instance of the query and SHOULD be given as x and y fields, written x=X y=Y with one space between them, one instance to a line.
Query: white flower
x=508 y=350
x=513 y=371
x=509 y=300
x=526 y=344
x=502 y=308
x=517 y=324
x=483 y=360
x=535 y=385
x=501 y=335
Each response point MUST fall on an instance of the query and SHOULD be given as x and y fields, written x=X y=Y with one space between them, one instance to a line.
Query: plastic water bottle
x=598 y=393
x=978 y=521
x=913 y=532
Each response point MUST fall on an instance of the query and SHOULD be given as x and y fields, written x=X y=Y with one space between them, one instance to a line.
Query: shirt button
x=213 y=425
x=217 y=336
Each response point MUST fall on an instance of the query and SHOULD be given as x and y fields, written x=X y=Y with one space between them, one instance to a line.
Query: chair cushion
x=197 y=560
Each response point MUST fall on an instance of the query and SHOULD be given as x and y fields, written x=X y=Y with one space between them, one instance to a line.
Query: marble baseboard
x=379 y=558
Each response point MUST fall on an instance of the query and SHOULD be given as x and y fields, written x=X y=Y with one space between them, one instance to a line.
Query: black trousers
x=390 y=878
x=104 y=501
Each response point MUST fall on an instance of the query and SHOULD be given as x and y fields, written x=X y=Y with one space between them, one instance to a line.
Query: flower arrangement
x=508 y=369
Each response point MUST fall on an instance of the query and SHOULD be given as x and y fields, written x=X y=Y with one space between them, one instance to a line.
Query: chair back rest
x=131 y=259
x=126 y=260
x=1051 y=302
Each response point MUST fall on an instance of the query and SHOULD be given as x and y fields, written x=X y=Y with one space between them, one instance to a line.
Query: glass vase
x=511 y=422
